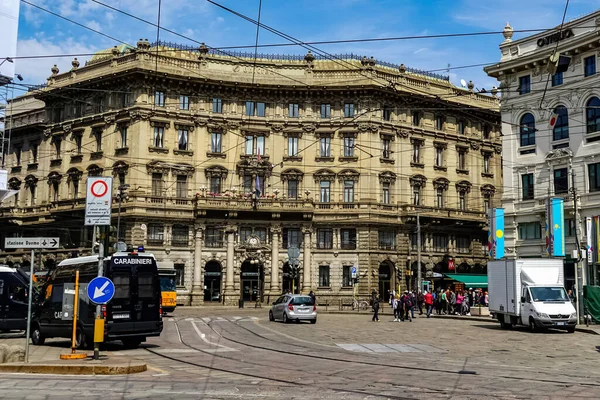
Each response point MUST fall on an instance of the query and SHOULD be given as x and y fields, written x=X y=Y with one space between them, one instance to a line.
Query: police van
x=133 y=314
x=14 y=292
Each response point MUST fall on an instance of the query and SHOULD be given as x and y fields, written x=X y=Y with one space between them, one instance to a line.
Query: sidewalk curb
x=73 y=369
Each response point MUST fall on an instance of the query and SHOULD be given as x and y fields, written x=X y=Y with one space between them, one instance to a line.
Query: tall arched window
x=561 y=128
x=593 y=115
x=527 y=130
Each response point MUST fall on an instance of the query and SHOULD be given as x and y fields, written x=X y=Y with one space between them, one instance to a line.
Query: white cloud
x=36 y=70
x=94 y=25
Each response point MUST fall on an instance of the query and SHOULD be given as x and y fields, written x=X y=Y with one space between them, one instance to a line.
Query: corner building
x=345 y=154
x=541 y=161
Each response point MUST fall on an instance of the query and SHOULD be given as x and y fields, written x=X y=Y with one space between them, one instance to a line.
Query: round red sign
x=99 y=188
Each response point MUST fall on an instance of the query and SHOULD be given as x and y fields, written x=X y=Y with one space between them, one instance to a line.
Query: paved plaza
x=230 y=353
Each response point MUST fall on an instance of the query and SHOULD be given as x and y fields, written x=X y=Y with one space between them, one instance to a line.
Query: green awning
x=470 y=280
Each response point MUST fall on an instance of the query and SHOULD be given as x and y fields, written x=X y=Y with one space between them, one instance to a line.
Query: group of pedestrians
x=443 y=301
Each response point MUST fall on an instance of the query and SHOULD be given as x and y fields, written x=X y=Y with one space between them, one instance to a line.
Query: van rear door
x=148 y=297
x=14 y=310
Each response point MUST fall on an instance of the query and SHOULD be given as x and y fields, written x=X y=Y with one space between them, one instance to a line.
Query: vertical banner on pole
x=549 y=224
x=557 y=206
x=597 y=242
x=496 y=234
x=589 y=237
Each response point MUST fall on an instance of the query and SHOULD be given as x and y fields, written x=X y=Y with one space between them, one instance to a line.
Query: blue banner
x=498 y=217
x=558 y=230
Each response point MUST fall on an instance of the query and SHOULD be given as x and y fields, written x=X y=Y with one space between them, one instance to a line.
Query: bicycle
x=360 y=305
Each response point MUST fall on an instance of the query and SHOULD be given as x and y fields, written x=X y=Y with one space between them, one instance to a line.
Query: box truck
x=530 y=292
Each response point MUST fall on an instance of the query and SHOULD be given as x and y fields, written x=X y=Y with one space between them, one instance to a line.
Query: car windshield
x=302 y=301
x=548 y=294
x=167 y=284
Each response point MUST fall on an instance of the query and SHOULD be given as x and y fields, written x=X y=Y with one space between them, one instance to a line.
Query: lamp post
x=121 y=195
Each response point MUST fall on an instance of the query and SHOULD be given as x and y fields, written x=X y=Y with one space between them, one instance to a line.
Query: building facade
x=225 y=164
x=540 y=160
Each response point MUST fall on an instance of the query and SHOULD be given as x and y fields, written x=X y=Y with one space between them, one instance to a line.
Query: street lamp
x=10 y=60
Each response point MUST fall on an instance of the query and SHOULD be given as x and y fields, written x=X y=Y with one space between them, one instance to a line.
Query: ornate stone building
x=343 y=153
x=541 y=161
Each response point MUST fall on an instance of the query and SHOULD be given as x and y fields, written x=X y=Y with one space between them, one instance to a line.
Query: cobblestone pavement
x=229 y=353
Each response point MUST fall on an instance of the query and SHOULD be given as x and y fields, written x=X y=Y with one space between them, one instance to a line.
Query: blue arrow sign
x=354 y=270
x=101 y=290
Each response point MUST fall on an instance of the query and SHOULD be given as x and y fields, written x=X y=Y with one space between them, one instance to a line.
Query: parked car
x=295 y=307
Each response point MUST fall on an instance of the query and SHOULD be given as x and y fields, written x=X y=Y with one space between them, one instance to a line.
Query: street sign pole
x=29 y=307
x=98 y=306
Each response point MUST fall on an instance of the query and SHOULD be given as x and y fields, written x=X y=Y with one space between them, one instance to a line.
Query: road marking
x=379 y=348
x=205 y=340
x=354 y=347
x=207 y=320
x=403 y=348
x=389 y=348
x=174 y=351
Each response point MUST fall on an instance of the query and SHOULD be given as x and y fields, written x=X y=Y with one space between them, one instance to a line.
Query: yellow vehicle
x=168 y=289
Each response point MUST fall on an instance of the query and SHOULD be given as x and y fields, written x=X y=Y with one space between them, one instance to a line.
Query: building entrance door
x=385 y=281
x=212 y=281
x=251 y=282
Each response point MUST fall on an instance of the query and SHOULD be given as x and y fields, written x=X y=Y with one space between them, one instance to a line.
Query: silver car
x=295 y=307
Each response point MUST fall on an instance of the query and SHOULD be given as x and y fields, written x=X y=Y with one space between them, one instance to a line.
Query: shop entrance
x=212 y=281
x=252 y=281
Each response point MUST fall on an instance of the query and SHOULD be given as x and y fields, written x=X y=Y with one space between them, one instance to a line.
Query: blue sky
x=41 y=33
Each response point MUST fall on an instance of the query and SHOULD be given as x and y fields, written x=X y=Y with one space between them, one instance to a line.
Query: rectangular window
x=348 y=239
x=260 y=109
x=245 y=233
x=325 y=146
x=462 y=159
x=250 y=108
x=324 y=238
x=530 y=230
x=247 y=184
x=416 y=153
x=213 y=237
x=182 y=139
x=181 y=235
x=55 y=191
x=57 y=146
x=416 y=195
x=159 y=133
x=181 y=187
x=216 y=140
x=348 y=147
x=387 y=113
x=78 y=139
x=347 y=275
x=98 y=139
x=292 y=146
x=486 y=163
x=179 y=275
x=461 y=127
x=325 y=110
x=439 y=122
x=386 y=240
x=594 y=173
x=349 y=110
x=34 y=152
x=462 y=201
x=156 y=232
x=527 y=186
x=413 y=241
x=122 y=285
x=255 y=145
x=145 y=285
x=486 y=203
x=292 y=189
x=217 y=105
x=324 y=191
x=440 y=243
x=570 y=227
x=292 y=237
x=157 y=184
x=557 y=79
x=589 y=65
x=255 y=109
x=561 y=181
x=293 y=110
x=439 y=197
x=123 y=134
x=215 y=184
x=75 y=188
x=416 y=118
x=439 y=156
x=184 y=102
x=487 y=130
x=32 y=195
x=261 y=233
x=525 y=84
x=463 y=244
x=386 y=145
x=348 y=191
x=324 y=275
x=385 y=195
x=159 y=99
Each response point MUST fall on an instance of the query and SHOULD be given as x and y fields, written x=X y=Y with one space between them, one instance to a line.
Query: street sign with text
x=32 y=243
x=98 y=200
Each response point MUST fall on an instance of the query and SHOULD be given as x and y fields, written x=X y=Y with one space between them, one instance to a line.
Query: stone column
x=275 y=231
x=229 y=295
x=197 y=288
x=306 y=261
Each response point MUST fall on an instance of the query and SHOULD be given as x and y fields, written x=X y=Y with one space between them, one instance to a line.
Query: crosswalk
x=389 y=348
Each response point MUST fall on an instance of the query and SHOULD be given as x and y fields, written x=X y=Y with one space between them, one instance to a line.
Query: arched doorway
x=212 y=281
x=251 y=281
x=385 y=280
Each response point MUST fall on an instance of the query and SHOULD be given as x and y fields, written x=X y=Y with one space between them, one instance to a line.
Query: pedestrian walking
x=375 y=309
x=451 y=303
x=428 y=299
x=420 y=300
x=397 y=307
x=444 y=302
x=313 y=298
x=407 y=304
x=459 y=301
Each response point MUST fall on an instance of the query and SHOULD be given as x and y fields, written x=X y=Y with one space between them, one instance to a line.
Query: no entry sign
x=98 y=201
